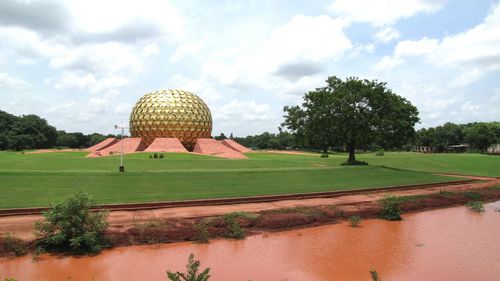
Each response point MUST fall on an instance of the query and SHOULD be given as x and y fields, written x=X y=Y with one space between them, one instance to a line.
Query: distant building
x=458 y=148
x=424 y=149
x=494 y=149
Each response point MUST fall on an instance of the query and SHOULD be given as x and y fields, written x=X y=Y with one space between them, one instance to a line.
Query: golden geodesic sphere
x=171 y=114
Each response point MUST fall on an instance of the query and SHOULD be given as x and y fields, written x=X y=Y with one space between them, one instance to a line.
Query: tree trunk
x=350 y=148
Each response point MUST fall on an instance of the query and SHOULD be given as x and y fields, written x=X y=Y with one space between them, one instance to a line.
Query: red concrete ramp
x=236 y=146
x=166 y=145
x=130 y=145
x=216 y=148
x=103 y=144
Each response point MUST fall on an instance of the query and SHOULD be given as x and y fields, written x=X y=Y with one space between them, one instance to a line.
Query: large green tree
x=354 y=113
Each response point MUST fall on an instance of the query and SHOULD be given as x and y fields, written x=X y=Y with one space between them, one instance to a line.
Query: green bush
x=161 y=156
x=379 y=153
x=150 y=156
x=474 y=196
x=234 y=230
x=72 y=226
x=355 y=220
x=476 y=206
x=354 y=163
x=202 y=234
x=324 y=155
x=155 y=155
x=14 y=244
x=390 y=208
x=191 y=273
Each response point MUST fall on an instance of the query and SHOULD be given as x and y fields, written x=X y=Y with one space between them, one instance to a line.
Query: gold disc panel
x=171 y=114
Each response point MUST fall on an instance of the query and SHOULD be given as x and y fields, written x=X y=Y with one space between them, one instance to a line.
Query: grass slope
x=29 y=180
x=455 y=163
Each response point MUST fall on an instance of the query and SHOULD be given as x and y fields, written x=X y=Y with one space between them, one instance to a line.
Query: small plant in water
x=476 y=206
x=191 y=273
x=390 y=208
x=374 y=275
x=355 y=220
x=14 y=244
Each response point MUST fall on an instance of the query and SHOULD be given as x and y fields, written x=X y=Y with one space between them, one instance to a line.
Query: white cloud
x=95 y=16
x=382 y=12
x=256 y=117
x=73 y=80
x=185 y=50
x=297 y=49
x=244 y=111
x=8 y=82
x=387 y=63
x=123 y=108
x=424 y=46
x=203 y=88
x=472 y=53
x=386 y=35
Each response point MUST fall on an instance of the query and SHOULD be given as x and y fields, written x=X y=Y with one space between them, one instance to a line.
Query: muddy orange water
x=447 y=244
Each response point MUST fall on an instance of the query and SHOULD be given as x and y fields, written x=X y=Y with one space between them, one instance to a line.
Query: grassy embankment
x=29 y=180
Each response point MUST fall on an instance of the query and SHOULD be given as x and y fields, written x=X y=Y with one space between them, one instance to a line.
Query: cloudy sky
x=83 y=64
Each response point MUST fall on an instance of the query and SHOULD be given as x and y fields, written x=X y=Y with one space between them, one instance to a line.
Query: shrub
x=474 y=196
x=155 y=155
x=355 y=220
x=234 y=229
x=445 y=193
x=379 y=153
x=14 y=244
x=191 y=274
x=202 y=234
x=476 y=206
x=161 y=156
x=150 y=156
x=324 y=155
x=71 y=226
x=390 y=208
x=354 y=163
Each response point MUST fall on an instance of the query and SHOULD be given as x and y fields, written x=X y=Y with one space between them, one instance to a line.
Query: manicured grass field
x=29 y=180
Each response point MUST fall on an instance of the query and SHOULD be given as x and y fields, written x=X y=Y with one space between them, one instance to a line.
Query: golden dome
x=171 y=114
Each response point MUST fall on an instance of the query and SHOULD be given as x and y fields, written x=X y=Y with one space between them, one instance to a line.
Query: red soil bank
x=216 y=148
x=235 y=146
x=103 y=144
x=166 y=145
x=130 y=145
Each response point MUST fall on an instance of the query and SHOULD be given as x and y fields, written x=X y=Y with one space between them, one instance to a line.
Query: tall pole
x=122 y=128
x=122 y=168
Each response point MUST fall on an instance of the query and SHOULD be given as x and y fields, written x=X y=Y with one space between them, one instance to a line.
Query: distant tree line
x=478 y=135
x=32 y=132
x=266 y=140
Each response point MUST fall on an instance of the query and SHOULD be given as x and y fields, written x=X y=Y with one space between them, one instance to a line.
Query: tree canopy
x=31 y=131
x=354 y=113
x=478 y=135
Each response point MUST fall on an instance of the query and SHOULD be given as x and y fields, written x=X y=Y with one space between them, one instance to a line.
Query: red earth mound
x=216 y=148
x=166 y=145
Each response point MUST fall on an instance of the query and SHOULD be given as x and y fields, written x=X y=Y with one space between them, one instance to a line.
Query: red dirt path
x=22 y=225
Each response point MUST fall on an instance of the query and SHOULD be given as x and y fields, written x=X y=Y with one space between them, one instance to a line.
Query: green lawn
x=28 y=180
x=456 y=163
